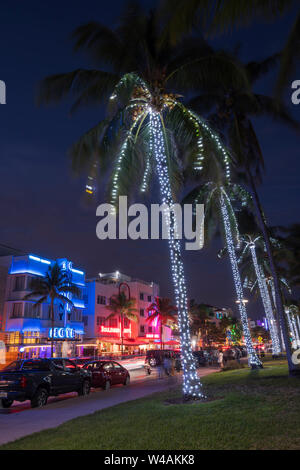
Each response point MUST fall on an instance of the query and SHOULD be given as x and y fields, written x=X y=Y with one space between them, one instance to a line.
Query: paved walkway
x=15 y=424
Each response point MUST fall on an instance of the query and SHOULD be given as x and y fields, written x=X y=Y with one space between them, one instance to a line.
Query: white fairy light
x=215 y=137
x=191 y=383
x=253 y=360
x=266 y=301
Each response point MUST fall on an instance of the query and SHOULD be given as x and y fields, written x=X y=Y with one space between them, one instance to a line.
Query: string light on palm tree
x=253 y=360
x=250 y=245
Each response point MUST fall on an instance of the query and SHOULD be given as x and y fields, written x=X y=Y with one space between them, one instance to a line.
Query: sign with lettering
x=116 y=331
x=62 y=333
x=152 y=336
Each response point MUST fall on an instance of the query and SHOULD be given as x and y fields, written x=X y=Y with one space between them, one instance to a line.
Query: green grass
x=252 y=410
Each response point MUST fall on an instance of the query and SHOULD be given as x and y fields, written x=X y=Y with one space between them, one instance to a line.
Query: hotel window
x=85 y=320
x=17 y=310
x=15 y=338
x=142 y=312
x=149 y=329
x=19 y=283
x=149 y=298
x=142 y=329
x=100 y=321
x=113 y=323
x=141 y=296
x=31 y=337
x=101 y=300
x=32 y=311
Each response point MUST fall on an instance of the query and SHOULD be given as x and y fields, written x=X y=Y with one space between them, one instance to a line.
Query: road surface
x=20 y=420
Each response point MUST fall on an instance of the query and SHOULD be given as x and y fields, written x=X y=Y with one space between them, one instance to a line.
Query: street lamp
x=244 y=301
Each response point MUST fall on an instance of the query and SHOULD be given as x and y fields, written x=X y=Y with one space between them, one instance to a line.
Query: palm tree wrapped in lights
x=250 y=247
x=216 y=193
x=147 y=126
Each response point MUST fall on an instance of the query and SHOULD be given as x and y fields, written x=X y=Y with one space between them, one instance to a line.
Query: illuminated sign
x=152 y=336
x=62 y=333
x=110 y=330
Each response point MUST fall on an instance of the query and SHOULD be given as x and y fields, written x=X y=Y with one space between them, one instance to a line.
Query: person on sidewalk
x=159 y=364
x=220 y=359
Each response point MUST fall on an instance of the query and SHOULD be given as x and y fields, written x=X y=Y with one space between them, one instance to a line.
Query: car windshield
x=14 y=366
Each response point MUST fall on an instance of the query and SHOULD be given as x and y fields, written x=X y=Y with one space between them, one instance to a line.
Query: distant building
x=104 y=335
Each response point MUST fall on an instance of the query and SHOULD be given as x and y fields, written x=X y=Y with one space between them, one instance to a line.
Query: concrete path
x=21 y=420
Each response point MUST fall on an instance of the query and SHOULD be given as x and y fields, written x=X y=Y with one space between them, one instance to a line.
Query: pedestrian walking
x=167 y=364
x=220 y=359
x=159 y=364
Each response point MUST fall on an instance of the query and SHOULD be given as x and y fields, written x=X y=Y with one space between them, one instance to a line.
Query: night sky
x=41 y=202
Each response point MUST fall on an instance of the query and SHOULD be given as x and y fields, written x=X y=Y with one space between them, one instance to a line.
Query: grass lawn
x=253 y=410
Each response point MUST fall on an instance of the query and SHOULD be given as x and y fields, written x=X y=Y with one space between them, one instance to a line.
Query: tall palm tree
x=199 y=315
x=216 y=194
x=250 y=247
x=147 y=124
x=220 y=16
x=233 y=110
x=56 y=286
x=163 y=312
x=123 y=307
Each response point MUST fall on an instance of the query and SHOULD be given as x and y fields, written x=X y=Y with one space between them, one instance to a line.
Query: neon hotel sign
x=62 y=333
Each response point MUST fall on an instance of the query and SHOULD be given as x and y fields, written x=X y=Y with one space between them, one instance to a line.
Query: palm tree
x=147 y=125
x=199 y=315
x=163 y=312
x=55 y=285
x=216 y=193
x=291 y=252
x=220 y=16
x=233 y=111
x=121 y=306
x=250 y=247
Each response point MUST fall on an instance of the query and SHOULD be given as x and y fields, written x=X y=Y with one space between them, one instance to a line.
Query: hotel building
x=27 y=328
x=103 y=335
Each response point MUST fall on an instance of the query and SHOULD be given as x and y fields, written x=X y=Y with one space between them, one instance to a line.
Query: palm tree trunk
x=191 y=382
x=266 y=301
x=52 y=326
x=253 y=360
x=293 y=369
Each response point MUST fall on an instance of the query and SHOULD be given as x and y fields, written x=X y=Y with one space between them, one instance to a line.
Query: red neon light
x=110 y=330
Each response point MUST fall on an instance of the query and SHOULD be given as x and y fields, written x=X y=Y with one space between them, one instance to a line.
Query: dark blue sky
x=40 y=201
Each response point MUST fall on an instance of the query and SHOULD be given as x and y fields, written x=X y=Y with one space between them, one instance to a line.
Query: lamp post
x=122 y=323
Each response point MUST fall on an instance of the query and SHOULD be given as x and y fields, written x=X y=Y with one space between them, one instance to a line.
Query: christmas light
x=265 y=300
x=253 y=360
x=191 y=382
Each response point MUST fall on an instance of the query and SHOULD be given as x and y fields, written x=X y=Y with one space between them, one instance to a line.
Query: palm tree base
x=294 y=373
x=256 y=366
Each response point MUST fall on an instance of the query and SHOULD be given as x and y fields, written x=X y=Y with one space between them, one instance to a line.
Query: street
x=20 y=420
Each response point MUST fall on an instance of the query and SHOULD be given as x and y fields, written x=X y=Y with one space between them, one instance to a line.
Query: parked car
x=107 y=373
x=37 y=379
x=81 y=361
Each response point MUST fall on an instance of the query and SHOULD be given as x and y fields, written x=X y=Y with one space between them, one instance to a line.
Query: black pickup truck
x=37 y=379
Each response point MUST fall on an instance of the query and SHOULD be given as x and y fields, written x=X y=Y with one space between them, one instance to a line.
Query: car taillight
x=23 y=382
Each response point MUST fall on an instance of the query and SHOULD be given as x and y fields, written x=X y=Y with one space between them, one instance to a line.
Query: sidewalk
x=16 y=425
